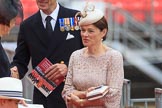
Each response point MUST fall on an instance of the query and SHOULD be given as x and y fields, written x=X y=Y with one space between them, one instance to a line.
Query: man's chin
x=43 y=6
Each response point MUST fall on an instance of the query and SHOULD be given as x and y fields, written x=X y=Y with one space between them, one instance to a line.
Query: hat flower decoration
x=89 y=15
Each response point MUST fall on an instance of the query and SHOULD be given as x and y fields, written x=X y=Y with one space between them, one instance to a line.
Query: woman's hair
x=10 y=9
x=102 y=24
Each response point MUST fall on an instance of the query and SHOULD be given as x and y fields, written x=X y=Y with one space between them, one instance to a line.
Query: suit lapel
x=38 y=27
x=58 y=37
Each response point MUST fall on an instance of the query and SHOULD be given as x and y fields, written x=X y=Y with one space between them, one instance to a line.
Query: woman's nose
x=85 y=33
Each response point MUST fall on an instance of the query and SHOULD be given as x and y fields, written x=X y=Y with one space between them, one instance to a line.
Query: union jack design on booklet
x=38 y=79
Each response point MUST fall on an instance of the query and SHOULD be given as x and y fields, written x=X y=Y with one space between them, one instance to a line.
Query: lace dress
x=87 y=71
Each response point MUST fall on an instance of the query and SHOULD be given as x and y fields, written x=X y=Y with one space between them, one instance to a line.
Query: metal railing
x=158 y=97
x=127 y=102
x=145 y=101
x=126 y=92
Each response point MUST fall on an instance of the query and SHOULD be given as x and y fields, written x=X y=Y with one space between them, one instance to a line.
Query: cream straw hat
x=11 y=88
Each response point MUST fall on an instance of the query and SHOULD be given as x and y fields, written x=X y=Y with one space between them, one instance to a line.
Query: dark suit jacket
x=4 y=63
x=33 y=43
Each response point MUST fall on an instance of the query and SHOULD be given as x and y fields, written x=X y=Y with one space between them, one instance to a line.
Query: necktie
x=48 y=25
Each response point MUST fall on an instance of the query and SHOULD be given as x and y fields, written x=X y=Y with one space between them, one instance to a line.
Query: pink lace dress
x=87 y=71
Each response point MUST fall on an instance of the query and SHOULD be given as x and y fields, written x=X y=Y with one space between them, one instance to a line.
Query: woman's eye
x=90 y=31
x=83 y=31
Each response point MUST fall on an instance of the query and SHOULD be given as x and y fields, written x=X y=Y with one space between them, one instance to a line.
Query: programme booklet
x=38 y=79
x=97 y=93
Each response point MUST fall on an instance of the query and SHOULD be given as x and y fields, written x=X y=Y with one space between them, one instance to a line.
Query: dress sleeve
x=68 y=87
x=115 y=77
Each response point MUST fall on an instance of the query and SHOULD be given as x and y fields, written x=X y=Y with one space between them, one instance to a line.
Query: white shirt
x=54 y=15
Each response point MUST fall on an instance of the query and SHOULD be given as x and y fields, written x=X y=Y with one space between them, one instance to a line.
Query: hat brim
x=14 y=98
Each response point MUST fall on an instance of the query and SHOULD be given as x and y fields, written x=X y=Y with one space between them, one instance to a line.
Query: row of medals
x=67 y=24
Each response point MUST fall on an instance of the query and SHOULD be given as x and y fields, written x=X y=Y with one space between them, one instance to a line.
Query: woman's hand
x=75 y=100
x=80 y=94
x=72 y=99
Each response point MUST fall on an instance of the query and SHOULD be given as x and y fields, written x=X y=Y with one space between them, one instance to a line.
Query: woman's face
x=91 y=35
x=5 y=30
x=47 y=6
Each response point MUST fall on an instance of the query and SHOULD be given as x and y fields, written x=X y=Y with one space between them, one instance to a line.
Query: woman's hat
x=11 y=88
x=9 y=9
x=89 y=15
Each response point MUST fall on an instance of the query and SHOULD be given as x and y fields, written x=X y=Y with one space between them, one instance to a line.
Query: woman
x=9 y=12
x=94 y=65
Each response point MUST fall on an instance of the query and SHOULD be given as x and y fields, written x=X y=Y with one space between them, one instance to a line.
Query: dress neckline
x=84 y=54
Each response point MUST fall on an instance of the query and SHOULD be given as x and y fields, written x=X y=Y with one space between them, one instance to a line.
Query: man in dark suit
x=35 y=43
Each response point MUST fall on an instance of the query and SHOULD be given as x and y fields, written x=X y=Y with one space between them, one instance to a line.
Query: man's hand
x=56 y=71
x=14 y=72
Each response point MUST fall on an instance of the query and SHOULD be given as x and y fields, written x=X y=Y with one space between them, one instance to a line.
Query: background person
x=9 y=12
x=94 y=65
x=34 y=42
x=11 y=92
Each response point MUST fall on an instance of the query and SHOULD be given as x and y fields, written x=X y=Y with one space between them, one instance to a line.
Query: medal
x=77 y=28
x=76 y=23
x=61 y=21
x=72 y=23
x=67 y=24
